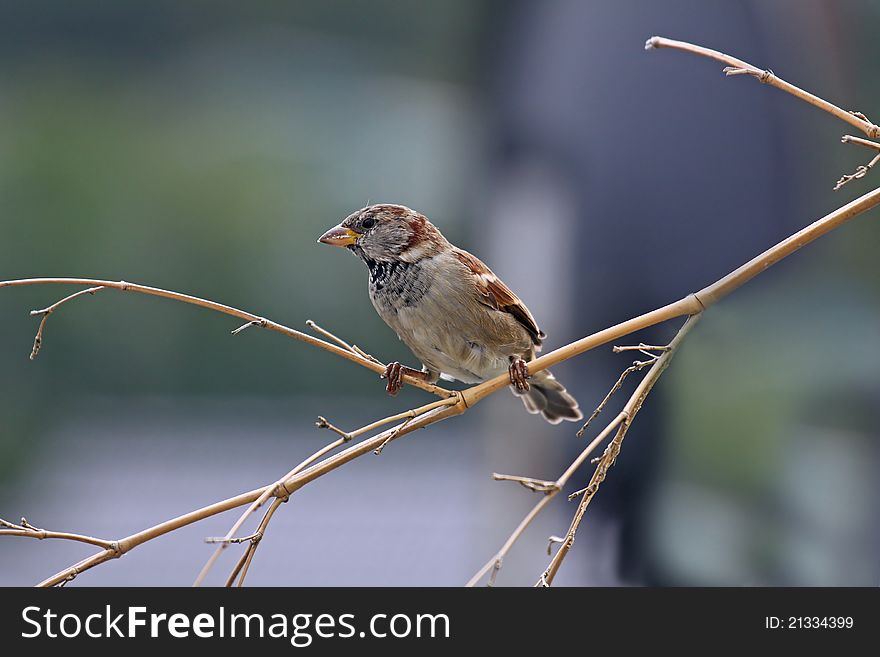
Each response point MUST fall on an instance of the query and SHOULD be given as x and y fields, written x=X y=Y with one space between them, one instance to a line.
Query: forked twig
x=45 y=312
x=860 y=172
x=637 y=366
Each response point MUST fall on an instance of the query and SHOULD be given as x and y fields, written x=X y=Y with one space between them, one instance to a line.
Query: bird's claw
x=394 y=374
x=519 y=373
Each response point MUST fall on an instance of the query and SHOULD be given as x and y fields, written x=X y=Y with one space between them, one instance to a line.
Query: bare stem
x=26 y=530
x=738 y=66
x=860 y=172
x=537 y=485
x=253 y=320
x=867 y=143
x=248 y=556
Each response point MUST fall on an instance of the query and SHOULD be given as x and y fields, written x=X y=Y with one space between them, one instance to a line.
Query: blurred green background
x=204 y=146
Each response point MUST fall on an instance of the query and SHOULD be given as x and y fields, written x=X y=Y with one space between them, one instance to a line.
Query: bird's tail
x=549 y=398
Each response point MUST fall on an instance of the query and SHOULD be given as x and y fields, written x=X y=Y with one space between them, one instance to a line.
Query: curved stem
x=252 y=319
x=767 y=77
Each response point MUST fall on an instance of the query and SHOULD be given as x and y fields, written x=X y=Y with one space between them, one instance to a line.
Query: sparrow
x=458 y=318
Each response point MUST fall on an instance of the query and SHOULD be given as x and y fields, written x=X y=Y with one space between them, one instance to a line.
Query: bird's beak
x=339 y=236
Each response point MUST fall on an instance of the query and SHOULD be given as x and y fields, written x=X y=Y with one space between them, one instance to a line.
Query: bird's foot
x=394 y=374
x=519 y=373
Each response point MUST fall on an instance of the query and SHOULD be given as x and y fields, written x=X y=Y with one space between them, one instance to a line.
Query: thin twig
x=860 y=172
x=551 y=541
x=327 y=334
x=637 y=366
x=231 y=541
x=263 y=323
x=394 y=433
x=641 y=346
x=766 y=76
x=867 y=143
x=45 y=312
x=250 y=318
x=342 y=343
x=26 y=530
x=323 y=423
x=738 y=66
x=537 y=485
x=261 y=533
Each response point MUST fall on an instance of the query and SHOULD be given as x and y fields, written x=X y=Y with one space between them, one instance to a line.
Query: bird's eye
x=368 y=223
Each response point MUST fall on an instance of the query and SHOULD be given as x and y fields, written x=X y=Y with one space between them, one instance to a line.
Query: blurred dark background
x=203 y=147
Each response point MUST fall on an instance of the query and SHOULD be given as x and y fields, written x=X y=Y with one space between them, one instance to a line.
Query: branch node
x=765 y=76
x=262 y=323
x=281 y=492
x=496 y=567
x=322 y=423
x=74 y=571
x=253 y=539
x=860 y=172
x=551 y=541
x=861 y=116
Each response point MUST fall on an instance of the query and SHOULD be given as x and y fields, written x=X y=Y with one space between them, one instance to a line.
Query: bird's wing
x=492 y=292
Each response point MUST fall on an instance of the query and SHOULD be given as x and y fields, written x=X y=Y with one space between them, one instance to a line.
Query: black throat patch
x=395 y=282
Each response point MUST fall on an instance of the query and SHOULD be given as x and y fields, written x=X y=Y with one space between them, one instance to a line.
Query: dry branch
x=250 y=318
x=630 y=410
x=766 y=76
x=45 y=312
x=689 y=305
x=738 y=66
x=621 y=422
x=27 y=530
x=706 y=297
x=455 y=403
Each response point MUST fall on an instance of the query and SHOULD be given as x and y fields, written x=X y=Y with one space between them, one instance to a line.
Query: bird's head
x=386 y=232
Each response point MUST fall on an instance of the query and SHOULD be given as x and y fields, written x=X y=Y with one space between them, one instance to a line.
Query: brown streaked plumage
x=459 y=319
